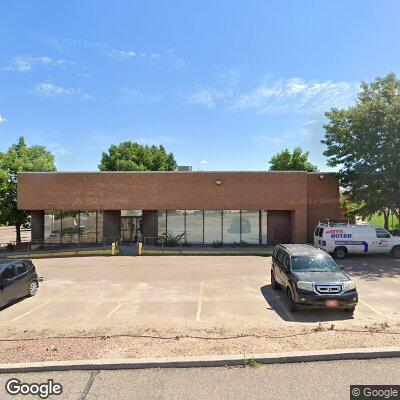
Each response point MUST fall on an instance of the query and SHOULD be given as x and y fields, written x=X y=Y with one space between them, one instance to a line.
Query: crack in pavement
x=89 y=384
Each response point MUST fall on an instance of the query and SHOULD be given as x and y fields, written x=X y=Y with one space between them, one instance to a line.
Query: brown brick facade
x=306 y=196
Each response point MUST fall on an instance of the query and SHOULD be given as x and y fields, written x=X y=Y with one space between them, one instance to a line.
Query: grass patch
x=62 y=254
x=378 y=220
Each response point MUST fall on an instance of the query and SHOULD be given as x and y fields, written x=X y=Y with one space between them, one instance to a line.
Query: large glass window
x=212 y=226
x=52 y=226
x=194 y=226
x=231 y=226
x=162 y=222
x=99 y=226
x=250 y=231
x=175 y=222
x=70 y=226
x=87 y=226
x=264 y=227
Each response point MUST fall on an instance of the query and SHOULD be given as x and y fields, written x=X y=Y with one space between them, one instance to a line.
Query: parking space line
x=200 y=302
x=124 y=301
x=372 y=308
x=57 y=296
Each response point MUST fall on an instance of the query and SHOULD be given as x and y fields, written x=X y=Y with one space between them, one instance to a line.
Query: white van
x=341 y=238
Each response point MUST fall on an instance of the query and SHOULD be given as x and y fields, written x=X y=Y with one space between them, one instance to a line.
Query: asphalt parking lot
x=194 y=291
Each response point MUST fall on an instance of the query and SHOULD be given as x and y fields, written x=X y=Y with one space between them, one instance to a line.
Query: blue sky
x=222 y=84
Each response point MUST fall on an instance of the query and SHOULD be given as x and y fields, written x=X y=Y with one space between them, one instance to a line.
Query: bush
x=243 y=244
x=172 y=241
x=217 y=243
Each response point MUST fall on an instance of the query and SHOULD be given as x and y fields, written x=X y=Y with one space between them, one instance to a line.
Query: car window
x=286 y=261
x=8 y=273
x=316 y=232
x=382 y=233
x=274 y=254
x=321 y=232
x=314 y=263
x=20 y=268
x=280 y=256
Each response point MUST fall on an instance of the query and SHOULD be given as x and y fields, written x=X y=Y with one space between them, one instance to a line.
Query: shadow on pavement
x=12 y=303
x=277 y=300
x=371 y=267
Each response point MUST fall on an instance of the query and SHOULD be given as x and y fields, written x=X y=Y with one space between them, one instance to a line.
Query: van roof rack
x=334 y=222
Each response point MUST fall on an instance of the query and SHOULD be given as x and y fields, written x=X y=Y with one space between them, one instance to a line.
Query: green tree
x=364 y=141
x=130 y=156
x=19 y=158
x=292 y=161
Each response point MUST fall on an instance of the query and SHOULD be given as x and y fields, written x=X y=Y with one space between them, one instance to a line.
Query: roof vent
x=184 y=168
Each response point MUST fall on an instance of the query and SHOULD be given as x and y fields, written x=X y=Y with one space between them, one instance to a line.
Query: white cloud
x=314 y=121
x=25 y=63
x=2 y=119
x=122 y=55
x=154 y=55
x=296 y=95
x=51 y=90
x=136 y=96
x=269 y=139
x=204 y=162
x=175 y=60
x=208 y=97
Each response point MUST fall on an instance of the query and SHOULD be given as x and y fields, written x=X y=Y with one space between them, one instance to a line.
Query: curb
x=205 y=361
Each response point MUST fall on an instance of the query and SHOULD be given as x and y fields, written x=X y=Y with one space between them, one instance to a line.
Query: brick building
x=208 y=207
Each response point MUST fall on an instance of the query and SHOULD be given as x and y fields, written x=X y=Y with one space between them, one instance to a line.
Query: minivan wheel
x=33 y=287
x=396 y=252
x=274 y=284
x=292 y=305
x=340 y=252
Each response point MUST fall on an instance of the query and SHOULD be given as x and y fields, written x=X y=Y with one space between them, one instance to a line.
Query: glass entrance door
x=131 y=228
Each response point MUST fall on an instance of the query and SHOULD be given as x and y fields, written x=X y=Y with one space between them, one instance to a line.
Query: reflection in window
x=162 y=222
x=70 y=227
x=175 y=222
x=264 y=227
x=99 y=226
x=52 y=226
x=212 y=226
x=87 y=226
x=250 y=226
x=194 y=226
x=231 y=226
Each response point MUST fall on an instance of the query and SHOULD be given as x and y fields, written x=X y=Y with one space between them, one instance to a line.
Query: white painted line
x=123 y=302
x=57 y=296
x=372 y=308
x=200 y=303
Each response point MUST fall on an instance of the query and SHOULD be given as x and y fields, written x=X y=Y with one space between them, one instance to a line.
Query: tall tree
x=131 y=156
x=292 y=161
x=364 y=140
x=19 y=158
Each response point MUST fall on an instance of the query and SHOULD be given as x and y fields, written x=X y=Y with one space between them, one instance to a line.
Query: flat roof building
x=206 y=207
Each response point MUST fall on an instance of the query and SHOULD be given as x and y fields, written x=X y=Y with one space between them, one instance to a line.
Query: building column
x=299 y=225
x=37 y=225
x=111 y=225
x=150 y=226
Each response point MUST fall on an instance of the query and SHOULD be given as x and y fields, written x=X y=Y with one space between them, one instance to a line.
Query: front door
x=131 y=228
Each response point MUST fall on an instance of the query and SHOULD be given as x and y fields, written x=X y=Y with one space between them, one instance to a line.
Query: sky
x=224 y=85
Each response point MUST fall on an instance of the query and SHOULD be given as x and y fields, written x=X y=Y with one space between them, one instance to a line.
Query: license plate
x=331 y=303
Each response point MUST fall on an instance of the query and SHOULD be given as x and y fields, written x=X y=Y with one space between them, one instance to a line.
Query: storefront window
x=194 y=226
x=264 y=227
x=52 y=226
x=162 y=222
x=212 y=226
x=175 y=222
x=87 y=226
x=250 y=222
x=70 y=227
x=231 y=226
x=99 y=226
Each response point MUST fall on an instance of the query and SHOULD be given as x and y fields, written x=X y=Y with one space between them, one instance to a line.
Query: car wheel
x=292 y=305
x=396 y=252
x=274 y=284
x=33 y=287
x=340 y=252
